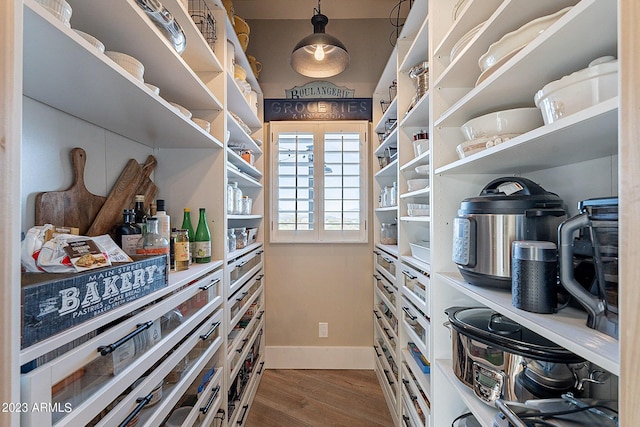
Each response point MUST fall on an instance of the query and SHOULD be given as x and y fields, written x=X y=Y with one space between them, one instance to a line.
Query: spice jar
x=242 y=238
x=231 y=196
x=237 y=200
x=231 y=240
x=247 y=205
x=388 y=233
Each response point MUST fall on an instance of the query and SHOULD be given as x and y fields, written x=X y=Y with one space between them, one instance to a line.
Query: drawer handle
x=220 y=415
x=259 y=316
x=409 y=275
x=244 y=342
x=406 y=420
x=206 y=408
x=386 y=332
x=375 y=348
x=389 y=260
x=377 y=315
x=375 y=276
x=377 y=252
x=260 y=368
x=209 y=285
x=241 y=264
x=142 y=401
x=386 y=288
x=411 y=316
x=244 y=294
x=106 y=349
x=386 y=374
x=259 y=278
x=260 y=252
x=210 y=331
x=244 y=413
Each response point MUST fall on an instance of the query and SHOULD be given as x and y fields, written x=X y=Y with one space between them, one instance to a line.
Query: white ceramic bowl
x=154 y=89
x=577 y=91
x=181 y=110
x=517 y=39
x=129 y=63
x=92 y=40
x=58 y=8
x=417 y=184
x=420 y=146
x=464 y=41
x=514 y=121
x=202 y=123
x=422 y=170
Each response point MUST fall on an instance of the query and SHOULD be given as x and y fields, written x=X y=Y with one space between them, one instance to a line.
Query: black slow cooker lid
x=494 y=329
x=522 y=194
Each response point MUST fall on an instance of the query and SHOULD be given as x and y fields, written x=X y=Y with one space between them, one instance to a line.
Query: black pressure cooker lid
x=492 y=328
x=510 y=195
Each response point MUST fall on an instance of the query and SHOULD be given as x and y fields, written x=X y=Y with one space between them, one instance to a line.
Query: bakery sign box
x=54 y=302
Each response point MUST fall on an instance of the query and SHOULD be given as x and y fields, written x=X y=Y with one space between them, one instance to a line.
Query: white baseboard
x=286 y=357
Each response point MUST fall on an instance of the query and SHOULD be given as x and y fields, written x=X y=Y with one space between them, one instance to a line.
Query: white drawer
x=415 y=284
x=243 y=268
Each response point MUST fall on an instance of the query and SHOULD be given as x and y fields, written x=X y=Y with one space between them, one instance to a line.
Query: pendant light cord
x=395 y=20
x=318 y=10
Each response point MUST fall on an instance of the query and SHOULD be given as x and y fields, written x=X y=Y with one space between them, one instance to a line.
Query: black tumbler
x=534 y=273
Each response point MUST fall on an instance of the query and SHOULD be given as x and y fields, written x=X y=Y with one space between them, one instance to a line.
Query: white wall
x=308 y=284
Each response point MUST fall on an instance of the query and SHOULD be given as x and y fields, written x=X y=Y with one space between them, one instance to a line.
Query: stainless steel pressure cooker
x=507 y=209
x=500 y=359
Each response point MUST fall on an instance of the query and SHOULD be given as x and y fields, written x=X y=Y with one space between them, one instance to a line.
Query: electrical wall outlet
x=323 y=330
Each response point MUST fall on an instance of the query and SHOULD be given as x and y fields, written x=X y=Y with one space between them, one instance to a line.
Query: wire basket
x=205 y=21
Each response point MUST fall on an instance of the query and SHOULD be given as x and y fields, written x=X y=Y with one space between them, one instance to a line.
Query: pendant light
x=319 y=55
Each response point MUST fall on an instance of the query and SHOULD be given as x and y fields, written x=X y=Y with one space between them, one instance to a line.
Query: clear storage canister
x=247 y=205
x=231 y=240
x=231 y=196
x=388 y=233
x=237 y=200
x=242 y=238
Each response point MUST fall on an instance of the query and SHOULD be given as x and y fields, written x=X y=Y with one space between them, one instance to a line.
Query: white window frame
x=318 y=234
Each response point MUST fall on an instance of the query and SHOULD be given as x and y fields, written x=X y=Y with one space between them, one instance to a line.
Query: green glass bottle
x=186 y=224
x=203 y=240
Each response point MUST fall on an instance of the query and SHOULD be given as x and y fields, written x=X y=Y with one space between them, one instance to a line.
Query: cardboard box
x=52 y=303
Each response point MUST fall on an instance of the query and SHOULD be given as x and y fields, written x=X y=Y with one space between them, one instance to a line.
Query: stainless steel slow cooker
x=500 y=359
x=507 y=209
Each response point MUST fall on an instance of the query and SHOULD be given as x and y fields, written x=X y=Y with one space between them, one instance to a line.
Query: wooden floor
x=319 y=398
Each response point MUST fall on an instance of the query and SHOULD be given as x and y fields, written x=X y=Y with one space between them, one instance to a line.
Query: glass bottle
x=153 y=243
x=164 y=220
x=237 y=200
x=186 y=224
x=231 y=240
x=247 y=205
x=203 y=240
x=231 y=196
x=140 y=212
x=242 y=239
x=181 y=252
x=128 y=234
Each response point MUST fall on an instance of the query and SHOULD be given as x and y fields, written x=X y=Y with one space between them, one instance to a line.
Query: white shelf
x=567 y=328
x=419 y=50
x=124 y=27
x=484 y=413
x=418 y=116
x=391 y=113
x=415 y=218
x=244 y=181
x=418 y=193
x=588 y=134
x=387 y=209
x=240 y=137
x=111 y=98
x=390 y=249
x=388 y=75
x=558 y=51
x=390 y=141
x=243 y=165
x=244 y=217
x=389 y=171
x=240 y=105
x=422 y=159
x=421 y=265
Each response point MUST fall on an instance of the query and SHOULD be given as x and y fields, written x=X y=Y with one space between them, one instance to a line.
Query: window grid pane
x=342 y=181
x=295 y=171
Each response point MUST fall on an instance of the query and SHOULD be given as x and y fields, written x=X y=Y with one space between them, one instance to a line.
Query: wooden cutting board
x=74 y=207
x=122 y=195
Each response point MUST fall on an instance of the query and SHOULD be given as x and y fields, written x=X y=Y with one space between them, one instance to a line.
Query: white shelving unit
x=64 y=72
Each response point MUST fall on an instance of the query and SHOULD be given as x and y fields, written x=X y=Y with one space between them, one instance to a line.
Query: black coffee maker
x=589 y=261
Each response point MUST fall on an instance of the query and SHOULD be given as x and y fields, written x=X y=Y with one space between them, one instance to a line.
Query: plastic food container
x=421 y=251
x=417 y=184
x=582 y=89
x=418 y=209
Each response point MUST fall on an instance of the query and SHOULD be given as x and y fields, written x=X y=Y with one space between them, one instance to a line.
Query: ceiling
x=334 y=9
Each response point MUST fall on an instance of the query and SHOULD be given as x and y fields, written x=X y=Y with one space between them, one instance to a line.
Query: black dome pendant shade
x=319 y=55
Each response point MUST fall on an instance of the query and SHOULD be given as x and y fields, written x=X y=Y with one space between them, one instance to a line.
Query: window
x=319 y=182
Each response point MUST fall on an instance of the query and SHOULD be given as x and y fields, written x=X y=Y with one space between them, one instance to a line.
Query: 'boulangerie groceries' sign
x=319 y=89
x=317 y=109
